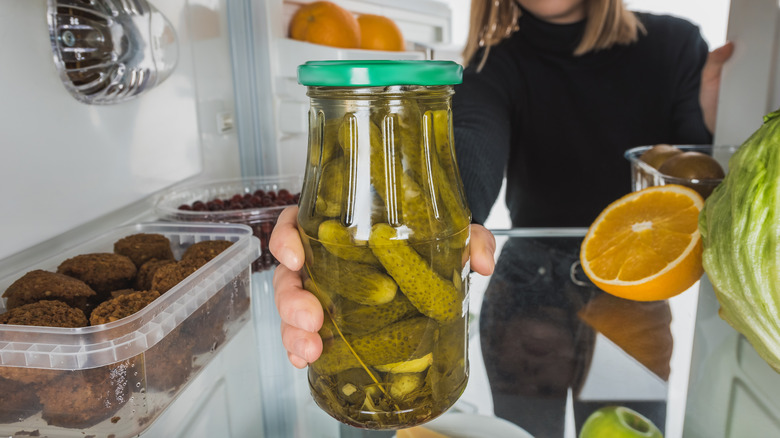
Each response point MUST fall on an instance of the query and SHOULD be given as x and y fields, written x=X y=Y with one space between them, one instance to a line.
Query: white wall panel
x=66 y=163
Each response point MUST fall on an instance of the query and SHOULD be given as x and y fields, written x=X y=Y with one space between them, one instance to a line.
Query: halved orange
x=646 y=245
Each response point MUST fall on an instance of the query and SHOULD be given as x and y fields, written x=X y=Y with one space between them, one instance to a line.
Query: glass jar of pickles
x=385 y=226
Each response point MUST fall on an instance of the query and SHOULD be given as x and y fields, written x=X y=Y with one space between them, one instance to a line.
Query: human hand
x=301 y=312
x=710 y=83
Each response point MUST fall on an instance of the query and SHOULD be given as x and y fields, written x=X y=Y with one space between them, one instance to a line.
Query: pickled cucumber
x=331 y=148
x=358 y=282
x=403 y=384
x=446 y=257
x=410 y=135
x=386 y=171
x=450 y=369
x=346 y=132
x=443 y=167
x=357 y=319
x=398 y=342
x=400 y=122
x=431 y=294
x=408 y=366
x=337 y=239
x=330 y=190
x=457 y=213
x=398 y=164
x=418 y=213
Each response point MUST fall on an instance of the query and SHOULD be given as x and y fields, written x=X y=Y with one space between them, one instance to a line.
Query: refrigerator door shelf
x=279 y=112
x=425 y=21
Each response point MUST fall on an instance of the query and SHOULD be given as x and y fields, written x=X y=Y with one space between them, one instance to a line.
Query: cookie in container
x=114 y=378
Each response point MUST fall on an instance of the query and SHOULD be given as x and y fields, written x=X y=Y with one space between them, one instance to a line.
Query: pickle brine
x=382 y=366
x=384 y=224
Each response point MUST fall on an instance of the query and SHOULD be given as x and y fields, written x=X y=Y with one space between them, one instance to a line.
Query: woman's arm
x=710 y=83
x=697 y=80
x=482 y=108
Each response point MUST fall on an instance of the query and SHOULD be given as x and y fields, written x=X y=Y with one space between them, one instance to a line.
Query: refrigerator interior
x=233 y=107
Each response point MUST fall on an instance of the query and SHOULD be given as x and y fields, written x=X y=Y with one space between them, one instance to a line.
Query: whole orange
x=326 y=23
x=379 y=33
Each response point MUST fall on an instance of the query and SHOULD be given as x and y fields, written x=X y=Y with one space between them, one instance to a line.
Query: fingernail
x=305 y=320
x=288 y=257
x=300 y=348
x=489 y=256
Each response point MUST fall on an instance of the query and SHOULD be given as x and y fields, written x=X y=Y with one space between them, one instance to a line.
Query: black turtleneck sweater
x=559 y=124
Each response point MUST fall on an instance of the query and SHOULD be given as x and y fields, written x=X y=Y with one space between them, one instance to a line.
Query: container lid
x=371 y=73
x=66 y=348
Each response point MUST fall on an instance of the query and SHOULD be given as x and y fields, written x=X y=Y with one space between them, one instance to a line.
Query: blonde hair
x=608 y=23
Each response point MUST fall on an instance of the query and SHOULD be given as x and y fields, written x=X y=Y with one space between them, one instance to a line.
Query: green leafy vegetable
x=740 y=229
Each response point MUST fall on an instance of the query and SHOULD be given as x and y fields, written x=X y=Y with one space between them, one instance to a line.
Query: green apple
x=618 y=422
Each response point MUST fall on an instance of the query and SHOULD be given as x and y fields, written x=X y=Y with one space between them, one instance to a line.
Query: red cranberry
x=256 y=201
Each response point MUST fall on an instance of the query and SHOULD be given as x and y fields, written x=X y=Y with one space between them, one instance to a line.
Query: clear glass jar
x=384 y=222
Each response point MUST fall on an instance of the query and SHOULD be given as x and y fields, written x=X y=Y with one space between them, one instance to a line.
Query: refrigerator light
x=110 y=51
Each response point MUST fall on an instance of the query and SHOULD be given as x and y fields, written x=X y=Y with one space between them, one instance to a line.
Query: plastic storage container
x=115 y=379
x=643 y=175
x=384 y=223
x=260 y=219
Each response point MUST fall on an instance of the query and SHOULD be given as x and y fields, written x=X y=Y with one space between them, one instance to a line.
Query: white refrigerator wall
x=68 y=164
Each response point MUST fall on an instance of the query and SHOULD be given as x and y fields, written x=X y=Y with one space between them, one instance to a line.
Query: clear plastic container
x=643 y=175
x=260 y=219
x=384 y=223
x=115 y=379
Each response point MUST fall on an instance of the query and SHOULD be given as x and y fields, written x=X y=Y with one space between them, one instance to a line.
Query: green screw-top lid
x=371 y=73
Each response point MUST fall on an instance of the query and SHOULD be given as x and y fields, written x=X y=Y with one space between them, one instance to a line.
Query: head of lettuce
x=740 y=230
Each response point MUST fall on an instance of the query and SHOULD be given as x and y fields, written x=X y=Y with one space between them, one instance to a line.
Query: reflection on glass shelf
x=539 y=325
